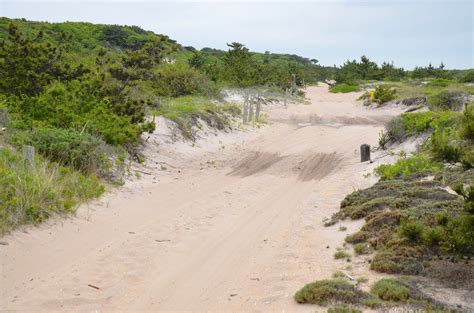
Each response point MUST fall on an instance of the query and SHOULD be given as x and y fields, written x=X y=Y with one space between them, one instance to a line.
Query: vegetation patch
x=344 y=88
x=32 y=193
x=389 y=289
x=330 y=290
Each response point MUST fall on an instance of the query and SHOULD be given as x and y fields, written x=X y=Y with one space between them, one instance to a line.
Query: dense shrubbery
x=383 y=94
x=344 y=88
x=30 y=194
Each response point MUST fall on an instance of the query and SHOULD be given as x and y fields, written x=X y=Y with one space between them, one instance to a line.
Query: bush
x=467 y=122
x=446 y=100
x=66 y=146
x=384 y=94
x=439 y=82
x=30 y=194
x=341 y=254
x=361 y=248
x=389 y=289
x=411 y=230
x=344 y=88
x=416 y=165
x=445 y=146
x=467 y=77
x=325 y=291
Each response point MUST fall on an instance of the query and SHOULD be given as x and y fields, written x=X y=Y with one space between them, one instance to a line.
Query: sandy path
x=243 y=234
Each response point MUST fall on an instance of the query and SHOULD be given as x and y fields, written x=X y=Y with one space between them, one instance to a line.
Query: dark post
x=364 y=152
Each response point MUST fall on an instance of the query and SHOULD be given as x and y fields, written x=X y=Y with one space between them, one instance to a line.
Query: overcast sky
x=407 y=32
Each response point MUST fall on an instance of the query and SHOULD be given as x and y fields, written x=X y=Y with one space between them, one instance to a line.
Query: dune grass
x=30 y=194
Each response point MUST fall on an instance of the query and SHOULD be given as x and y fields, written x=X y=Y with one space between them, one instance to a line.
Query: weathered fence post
x=286 y=97
x=251 y=108
x=364 y=152
x=29 y=155
x=245 y=110
x=257 y=109
x=293 y=84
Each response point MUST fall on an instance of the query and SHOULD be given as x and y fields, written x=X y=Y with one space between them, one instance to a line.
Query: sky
x=409 y=33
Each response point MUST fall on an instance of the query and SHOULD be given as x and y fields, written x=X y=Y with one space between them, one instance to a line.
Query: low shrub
x=30 y=194
x=361 y=248
x=344 y=88
x=447 y=100
x=439 y=82
x=384 y=94
x=389 y=289
x=411 y=230
x=326 y=291
x=341 y=254
x=66 y=146
x=445 y=146
x=417 y=165
x=467 y=77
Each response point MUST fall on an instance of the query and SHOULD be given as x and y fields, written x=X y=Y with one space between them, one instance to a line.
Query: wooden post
x=245 y=109
x=364 y=152
x=286 y=97
x=251 y=108
x=257 y=110
x=293 y=84
x=29 y=155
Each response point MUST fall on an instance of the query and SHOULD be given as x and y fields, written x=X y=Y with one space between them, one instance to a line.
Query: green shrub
x=467 y=122
x=384 y=94
x=446 y=100
x=467 y=77
x=341 y=254
x=411 y=230
x=361 y=248
x=326 y=291
x=344 y=88
x=445 y=146
x=389 y=289
x=30 y=194
x=66 y=146
x=419 y=165
x=439 y=82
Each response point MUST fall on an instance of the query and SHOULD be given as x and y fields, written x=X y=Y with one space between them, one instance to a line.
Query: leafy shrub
x=419 y=165
x=176 y=80
x=326 y=291
x=384 y=94
x=389 y=289
x=66 y=146
x=411 y=230
x=344 y=88
x=467 y=77
x=447 y=100
x=467 y=122
x=361 y=248
x=439 y=82
x=341 y=254
x=444 y=145
x=30 y=194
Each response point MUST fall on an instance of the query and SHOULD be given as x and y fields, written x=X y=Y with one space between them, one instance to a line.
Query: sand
x=233 y=222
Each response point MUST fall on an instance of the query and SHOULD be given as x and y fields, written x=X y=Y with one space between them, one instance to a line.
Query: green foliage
x=467 y=76
x=361 y=248
x=323 y=292
x=30 y=194
x=411 y=230
x=65 y=146
x=389 y=289
x=384 y=94
x=341 y=254
x=447 y=100
x=445 y=145
x=344 y=88
x=351 y=72
x=430 y=72
x=439 y=82
x=419 y=165
x=176 y=80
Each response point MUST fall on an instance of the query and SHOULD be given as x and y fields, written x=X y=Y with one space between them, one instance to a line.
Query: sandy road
x=241 y=235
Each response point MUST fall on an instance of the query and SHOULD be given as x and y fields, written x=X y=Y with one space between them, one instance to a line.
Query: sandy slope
x=234 y=224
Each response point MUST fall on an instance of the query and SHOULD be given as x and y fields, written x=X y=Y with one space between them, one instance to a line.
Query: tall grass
x=32 y=193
